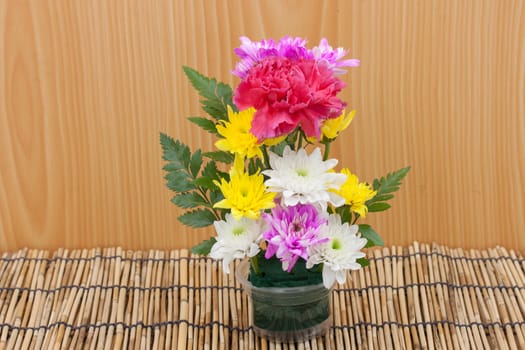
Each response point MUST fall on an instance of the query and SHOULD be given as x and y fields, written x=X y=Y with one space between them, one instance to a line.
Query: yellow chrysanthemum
x=332 y=127
x=274 y=140
x=245 y=195
x=355 y=194
x=237 y=136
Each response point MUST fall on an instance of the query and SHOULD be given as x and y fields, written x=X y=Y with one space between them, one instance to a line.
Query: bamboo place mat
x=420 y=296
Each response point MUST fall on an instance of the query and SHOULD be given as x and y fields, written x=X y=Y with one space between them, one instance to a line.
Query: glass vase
x=288 y=313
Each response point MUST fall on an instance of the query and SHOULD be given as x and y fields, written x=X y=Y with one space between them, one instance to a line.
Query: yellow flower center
x=336 y=244
x=302 y=172
x=238 y=231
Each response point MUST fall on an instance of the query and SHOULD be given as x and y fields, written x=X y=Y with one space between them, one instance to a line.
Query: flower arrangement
x=270 y=189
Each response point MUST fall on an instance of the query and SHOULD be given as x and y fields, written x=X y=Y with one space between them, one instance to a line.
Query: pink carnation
x=289 y=93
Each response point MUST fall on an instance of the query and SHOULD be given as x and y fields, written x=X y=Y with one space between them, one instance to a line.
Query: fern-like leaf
x=204 y=247
x=215 y=96
x=197 y=218
x=384 y=187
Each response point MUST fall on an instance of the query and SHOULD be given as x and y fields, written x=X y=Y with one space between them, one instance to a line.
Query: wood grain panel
x=86 y=86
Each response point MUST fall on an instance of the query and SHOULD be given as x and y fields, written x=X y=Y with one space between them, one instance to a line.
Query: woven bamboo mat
x=421 y=296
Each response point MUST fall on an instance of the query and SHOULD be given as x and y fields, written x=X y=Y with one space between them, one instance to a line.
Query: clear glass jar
x=290 y=313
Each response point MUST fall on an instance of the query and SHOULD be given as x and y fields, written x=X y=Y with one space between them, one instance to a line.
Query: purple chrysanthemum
x=253 y=52
x=291 y=231
x=333 y=58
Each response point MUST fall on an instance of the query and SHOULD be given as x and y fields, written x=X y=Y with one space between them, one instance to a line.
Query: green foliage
x=372 y=236
x=189 y=200
x=192 y=191
x=195 y=163
x=384 y=187
x=205 y=124
x=279 y=148
x=364 y=262
x=215 y=96
x=378 y=206
x=204 y=247
x=198 y=218
x=174 y=151
x=345 y=213
x=220 y=156
x=178 y=181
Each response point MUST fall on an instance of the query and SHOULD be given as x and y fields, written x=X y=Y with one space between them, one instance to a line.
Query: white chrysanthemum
x=303 y=178
x=236 y=239
x=340 y=253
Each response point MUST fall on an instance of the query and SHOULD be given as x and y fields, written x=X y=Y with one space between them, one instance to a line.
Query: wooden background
x=86 y=87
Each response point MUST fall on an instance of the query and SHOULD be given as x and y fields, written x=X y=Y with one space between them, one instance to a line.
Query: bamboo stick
x=194 y=303
x=215 y=300
x=162 y=283
x=412 y=292
x=201 y=301
x=176 y=310
x=233 y=308
x=222 y=297
x=184 y=307
x=441 y=292
x=155 y=308
x=136 y=312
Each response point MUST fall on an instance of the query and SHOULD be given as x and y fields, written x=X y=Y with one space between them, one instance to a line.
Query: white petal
x=340 y=276
x=328 y=276
x=226 y=264
x=254 y=249
x=336 y=200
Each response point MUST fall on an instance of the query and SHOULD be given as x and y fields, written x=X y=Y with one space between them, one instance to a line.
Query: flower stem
x=255 y=264
x=265 y=156
x=326 y=150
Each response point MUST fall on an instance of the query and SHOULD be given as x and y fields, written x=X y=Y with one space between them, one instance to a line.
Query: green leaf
x=372 y=236
x=172 y=166
x=210 y=171
x=220 y=156
x=384 y=187
x=174 y=150
x=197 y=218
x=383 y=197
x=391 y=182
x=378 y=206
x=255 y=165
x=215 y=96
x=204 y=247
x=189 y=200
x=179 y=182
x=205 y=124
x=205 y=182
x=344 y=212
x=195 y=163
x=279 y=148
x=216 y=196
x=364 y=262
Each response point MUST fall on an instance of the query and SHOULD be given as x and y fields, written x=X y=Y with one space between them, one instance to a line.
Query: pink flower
x=289 y=93
x=252 y=52
x=292 y=230
x=333 y=58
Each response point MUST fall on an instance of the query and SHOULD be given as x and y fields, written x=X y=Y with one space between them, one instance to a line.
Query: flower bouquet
x=270 y=189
